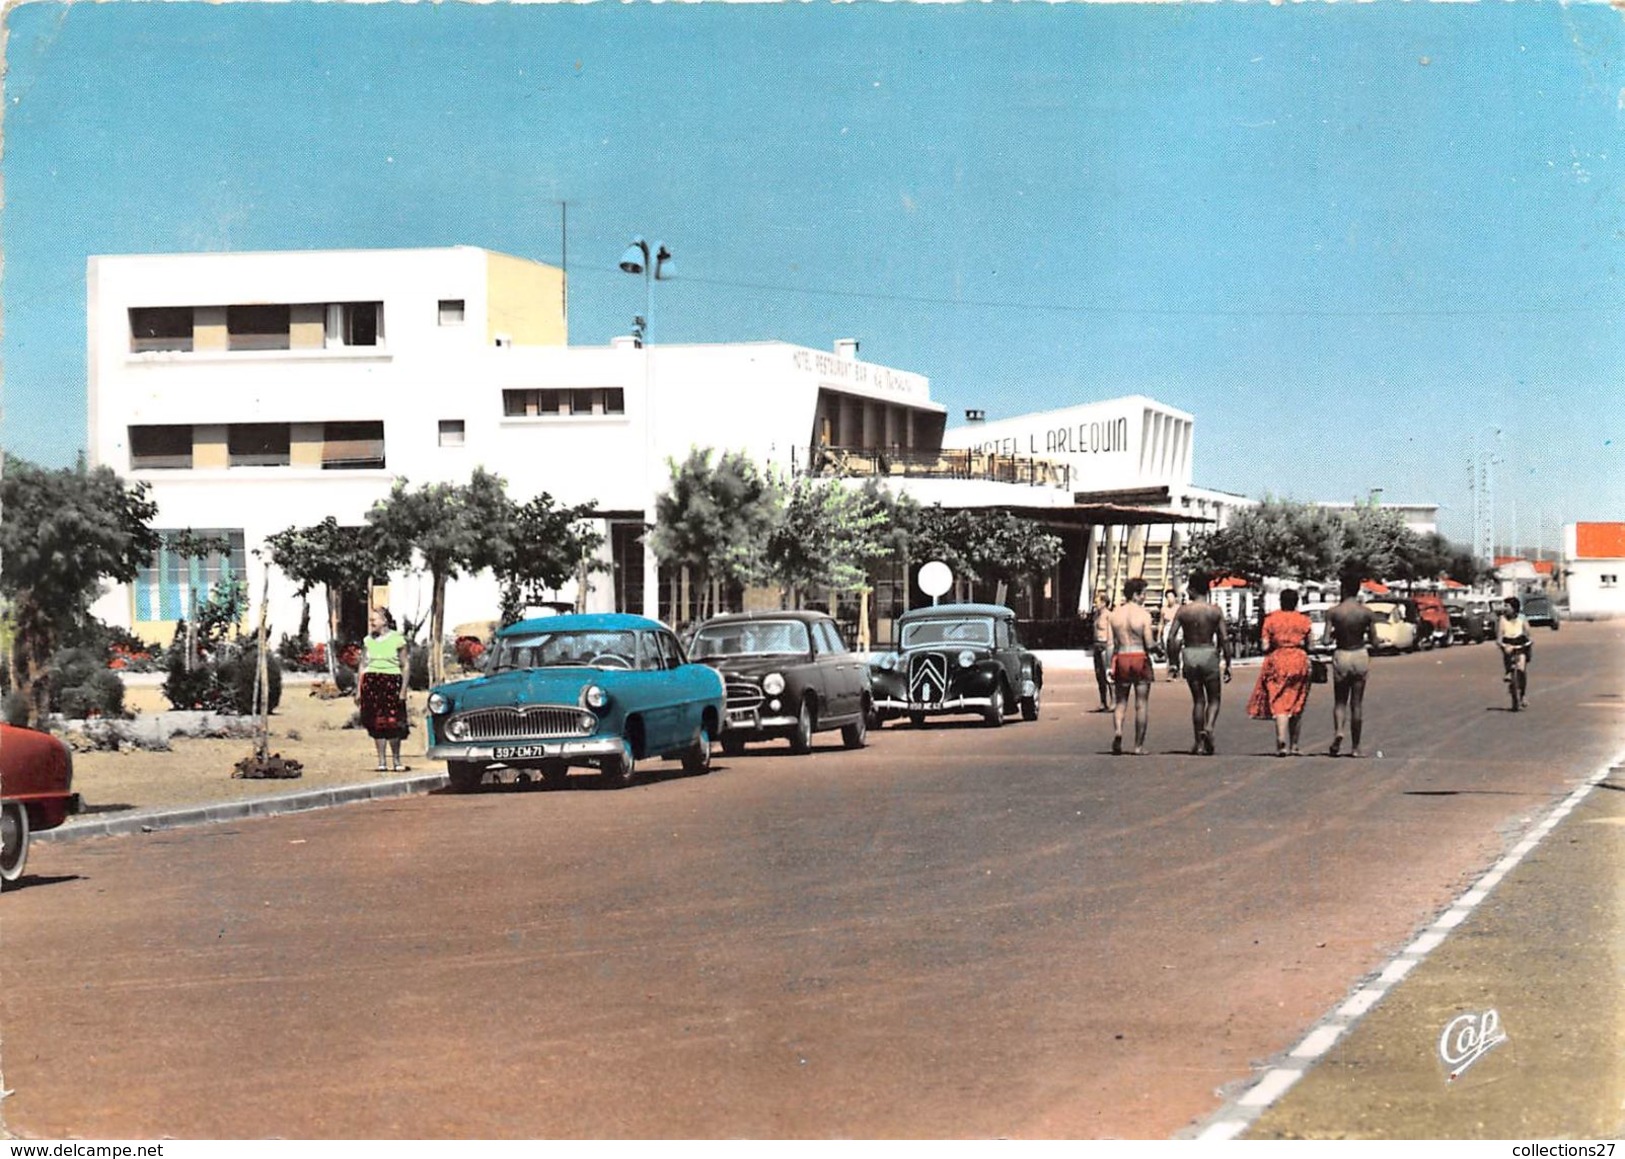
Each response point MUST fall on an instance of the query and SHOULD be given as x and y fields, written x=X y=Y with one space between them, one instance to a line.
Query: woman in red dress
x=1283 y=683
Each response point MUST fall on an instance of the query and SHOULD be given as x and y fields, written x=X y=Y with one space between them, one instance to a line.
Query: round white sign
x=935 y=578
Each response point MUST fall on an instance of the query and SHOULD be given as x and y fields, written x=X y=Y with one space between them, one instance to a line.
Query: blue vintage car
x=600 y=690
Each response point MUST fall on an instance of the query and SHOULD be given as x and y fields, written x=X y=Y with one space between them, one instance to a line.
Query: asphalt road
x=959 y=932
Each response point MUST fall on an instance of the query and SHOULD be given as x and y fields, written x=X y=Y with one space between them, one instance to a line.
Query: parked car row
x=607 y=691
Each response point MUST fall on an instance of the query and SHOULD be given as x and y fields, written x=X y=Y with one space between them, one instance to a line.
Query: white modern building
x=1131 y=452
x=1594 y=560
x=258 y=391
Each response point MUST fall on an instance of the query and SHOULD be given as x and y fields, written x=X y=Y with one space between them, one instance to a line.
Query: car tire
x=995 y=711
x=856 y=734
x=801 y=738
x=619 y=771
x=13 y=840
x=732 y=746
x=1030 y=705
x=555 y=774
x=697 y=758
x=465 y=776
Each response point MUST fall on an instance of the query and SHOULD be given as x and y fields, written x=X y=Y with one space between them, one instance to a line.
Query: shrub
x=82 y=687
x=198 y=689
x=15 y=710
x=417 y=676
x=236 y=675
x=345 y=679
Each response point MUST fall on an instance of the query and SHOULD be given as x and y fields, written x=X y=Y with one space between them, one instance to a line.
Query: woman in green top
x=383 y=708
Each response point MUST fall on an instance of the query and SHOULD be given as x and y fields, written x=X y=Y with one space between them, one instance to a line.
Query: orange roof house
x=1599 y=541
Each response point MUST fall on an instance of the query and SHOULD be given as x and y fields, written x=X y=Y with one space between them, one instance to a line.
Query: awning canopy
x=1107 y=515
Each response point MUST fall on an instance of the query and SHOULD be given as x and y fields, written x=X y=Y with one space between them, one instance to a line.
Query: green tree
x=62 y=533
x=828 y=535
x=549 y=545
x=1297 y=541
x=338 y=558
x=713 y=523
x=455 y=529
x=983 y=545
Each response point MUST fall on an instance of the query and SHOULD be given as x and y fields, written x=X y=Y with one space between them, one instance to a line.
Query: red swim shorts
x=1131 y=668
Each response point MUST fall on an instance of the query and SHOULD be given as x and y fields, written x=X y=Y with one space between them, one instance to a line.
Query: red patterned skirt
x=383 y=710
x=1283 y=685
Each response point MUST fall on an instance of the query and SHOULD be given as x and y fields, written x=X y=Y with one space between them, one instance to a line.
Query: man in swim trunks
x=1132 y=633
x=1100 y=622
x=1198 y=629
x=1351 y=630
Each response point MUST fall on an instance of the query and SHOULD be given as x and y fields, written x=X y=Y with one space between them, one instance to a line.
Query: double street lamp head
x=636 y=259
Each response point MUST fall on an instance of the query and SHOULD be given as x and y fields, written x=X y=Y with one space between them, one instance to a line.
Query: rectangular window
x=352 y=446
x=1609 y=581
x=451 y=432
x=451 y=311
x=160 y=328
x=171 y=585
x=167 y=448
x=258 y=327
x=257 y=444
x=362 y=322
x=547 y=403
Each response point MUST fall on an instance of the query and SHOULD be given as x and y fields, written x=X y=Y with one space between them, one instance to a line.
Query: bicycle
x=1515 y=658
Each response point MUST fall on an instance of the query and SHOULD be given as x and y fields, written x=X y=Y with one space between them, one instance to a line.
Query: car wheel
x=856 y=734
x=995 y=711
x=555 y=774
x=801 y=738
x=732 y=745
x=620 y=770
x=465 y=776
x=1029 y=705
x=697 y=759
x=13 y=840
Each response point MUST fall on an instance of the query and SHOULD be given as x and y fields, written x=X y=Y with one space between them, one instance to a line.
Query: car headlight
x=594 y=697
x=438 y=703
x=967 y=658
x=773 y=683
x=457 y=730
x=888 y=661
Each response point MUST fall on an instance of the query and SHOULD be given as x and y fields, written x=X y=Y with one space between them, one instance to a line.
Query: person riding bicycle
x=1512 y=634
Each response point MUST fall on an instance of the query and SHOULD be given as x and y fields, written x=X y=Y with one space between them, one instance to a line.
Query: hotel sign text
x=1090 y=438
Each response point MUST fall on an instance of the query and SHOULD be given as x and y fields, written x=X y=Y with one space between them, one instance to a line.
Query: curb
x=239 y=810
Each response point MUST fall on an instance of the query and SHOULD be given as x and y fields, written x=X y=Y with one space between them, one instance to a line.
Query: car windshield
x=576 y=649
x=924 y=632
x=751 y=638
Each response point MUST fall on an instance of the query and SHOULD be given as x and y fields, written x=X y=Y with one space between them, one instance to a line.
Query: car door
x=845 y=674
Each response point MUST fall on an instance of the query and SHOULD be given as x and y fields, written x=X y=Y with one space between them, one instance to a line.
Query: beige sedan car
x=1395 y=631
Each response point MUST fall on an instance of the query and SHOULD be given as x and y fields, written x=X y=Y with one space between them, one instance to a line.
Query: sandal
x=382 y=768
x=402 y=769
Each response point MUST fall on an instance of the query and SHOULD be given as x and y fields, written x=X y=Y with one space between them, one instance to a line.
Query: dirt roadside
x=1545 y=950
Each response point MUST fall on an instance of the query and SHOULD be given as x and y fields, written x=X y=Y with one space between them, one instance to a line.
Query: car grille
x=927 y=677
x=528 y=723
x=744 y=694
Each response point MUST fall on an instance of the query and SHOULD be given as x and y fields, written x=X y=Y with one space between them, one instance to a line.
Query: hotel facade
x=258 y=391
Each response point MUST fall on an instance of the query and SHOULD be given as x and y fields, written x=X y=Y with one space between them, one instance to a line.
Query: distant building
x=1132 y=452
x=1594 y=558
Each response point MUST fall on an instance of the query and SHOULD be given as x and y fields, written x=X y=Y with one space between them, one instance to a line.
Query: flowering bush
x=469 y=650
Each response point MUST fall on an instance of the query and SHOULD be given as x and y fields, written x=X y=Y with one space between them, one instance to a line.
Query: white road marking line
x=1233 y=1119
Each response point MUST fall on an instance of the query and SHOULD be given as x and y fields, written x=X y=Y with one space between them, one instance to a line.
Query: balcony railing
x=948 y=463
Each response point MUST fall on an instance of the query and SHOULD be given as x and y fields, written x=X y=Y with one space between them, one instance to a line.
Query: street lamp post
x=637 y=260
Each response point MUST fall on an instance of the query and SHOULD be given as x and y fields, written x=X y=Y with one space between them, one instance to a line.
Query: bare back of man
x=1351 y=630
x=1132 y=633
x=1199 y=628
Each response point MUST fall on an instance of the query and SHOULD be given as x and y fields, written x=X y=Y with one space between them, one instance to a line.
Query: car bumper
x=538 y=750
x=953 y=704
x=751 y=720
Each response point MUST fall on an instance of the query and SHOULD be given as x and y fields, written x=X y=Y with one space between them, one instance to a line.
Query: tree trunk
x=332 y=633
x=262 y=675
x=31 y=646
x=437 y=631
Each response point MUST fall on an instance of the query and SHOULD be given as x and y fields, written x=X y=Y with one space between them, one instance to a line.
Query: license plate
x=518 y=752
x=741 y=715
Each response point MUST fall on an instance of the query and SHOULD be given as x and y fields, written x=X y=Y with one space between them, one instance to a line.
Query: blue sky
x=1349 y=238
